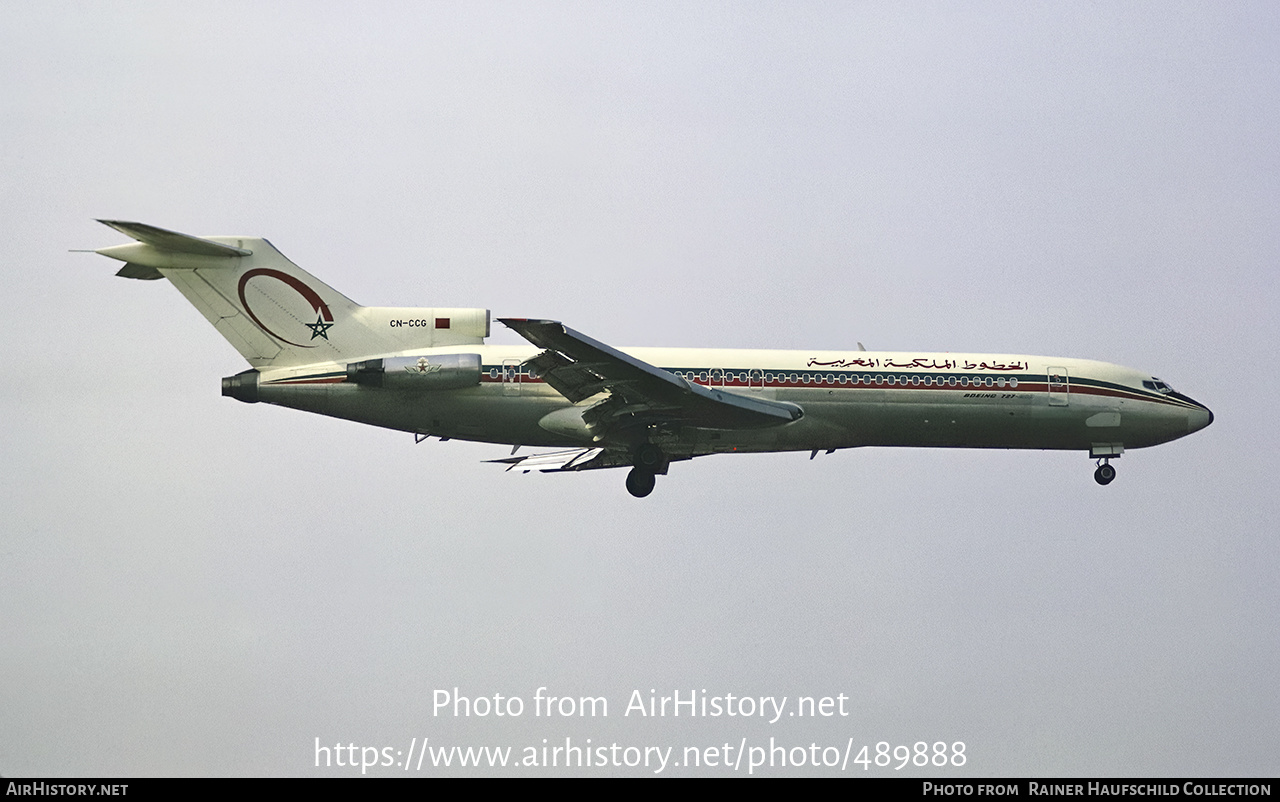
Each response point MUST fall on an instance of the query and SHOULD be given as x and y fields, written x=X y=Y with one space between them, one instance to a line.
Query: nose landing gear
x=1105 y=472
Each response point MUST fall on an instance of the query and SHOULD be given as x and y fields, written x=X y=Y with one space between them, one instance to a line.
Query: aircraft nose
x=1197 y=419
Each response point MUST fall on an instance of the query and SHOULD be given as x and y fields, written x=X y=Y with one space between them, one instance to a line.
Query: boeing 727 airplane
x=428 y=371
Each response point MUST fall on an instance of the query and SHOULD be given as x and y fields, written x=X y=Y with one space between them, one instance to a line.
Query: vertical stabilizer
x=275 y=313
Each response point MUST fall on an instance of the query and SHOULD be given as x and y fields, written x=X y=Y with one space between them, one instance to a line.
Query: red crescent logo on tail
x=324 y=318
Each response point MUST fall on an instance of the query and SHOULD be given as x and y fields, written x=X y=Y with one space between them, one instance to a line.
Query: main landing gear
x=649 y=461
x=640 y=482
x=1105 y=473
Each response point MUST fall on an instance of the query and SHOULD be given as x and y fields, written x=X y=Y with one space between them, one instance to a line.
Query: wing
x=639 y=394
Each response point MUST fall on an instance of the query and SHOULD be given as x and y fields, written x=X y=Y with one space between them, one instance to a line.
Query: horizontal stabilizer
x=144 y=272
x=173 y=241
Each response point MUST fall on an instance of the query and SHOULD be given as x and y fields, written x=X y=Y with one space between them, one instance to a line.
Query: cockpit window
x=1157 y=385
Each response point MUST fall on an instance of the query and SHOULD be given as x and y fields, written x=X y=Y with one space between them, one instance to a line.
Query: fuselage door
x=1059 y=387
x=755 y=379
x=511 y=377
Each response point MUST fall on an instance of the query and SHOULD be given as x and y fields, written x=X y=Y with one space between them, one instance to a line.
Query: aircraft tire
x=640 y=482
x=1104 y=475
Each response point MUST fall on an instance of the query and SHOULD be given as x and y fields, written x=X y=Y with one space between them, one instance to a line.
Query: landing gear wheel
x=648 y=456
x=640 y=482
x=1104 y=474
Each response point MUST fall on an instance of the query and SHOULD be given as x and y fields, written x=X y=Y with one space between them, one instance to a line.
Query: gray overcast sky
x=191 y=586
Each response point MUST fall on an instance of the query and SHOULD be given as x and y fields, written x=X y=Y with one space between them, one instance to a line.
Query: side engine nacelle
x=434 y=372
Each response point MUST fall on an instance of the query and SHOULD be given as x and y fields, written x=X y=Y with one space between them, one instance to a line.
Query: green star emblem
x=319 y=328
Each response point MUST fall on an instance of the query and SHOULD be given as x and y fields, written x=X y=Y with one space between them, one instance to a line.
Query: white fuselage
x=850 y=399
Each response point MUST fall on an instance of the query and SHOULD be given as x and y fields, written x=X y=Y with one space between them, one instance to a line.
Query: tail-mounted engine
x=242 y=386
x=434 y=372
